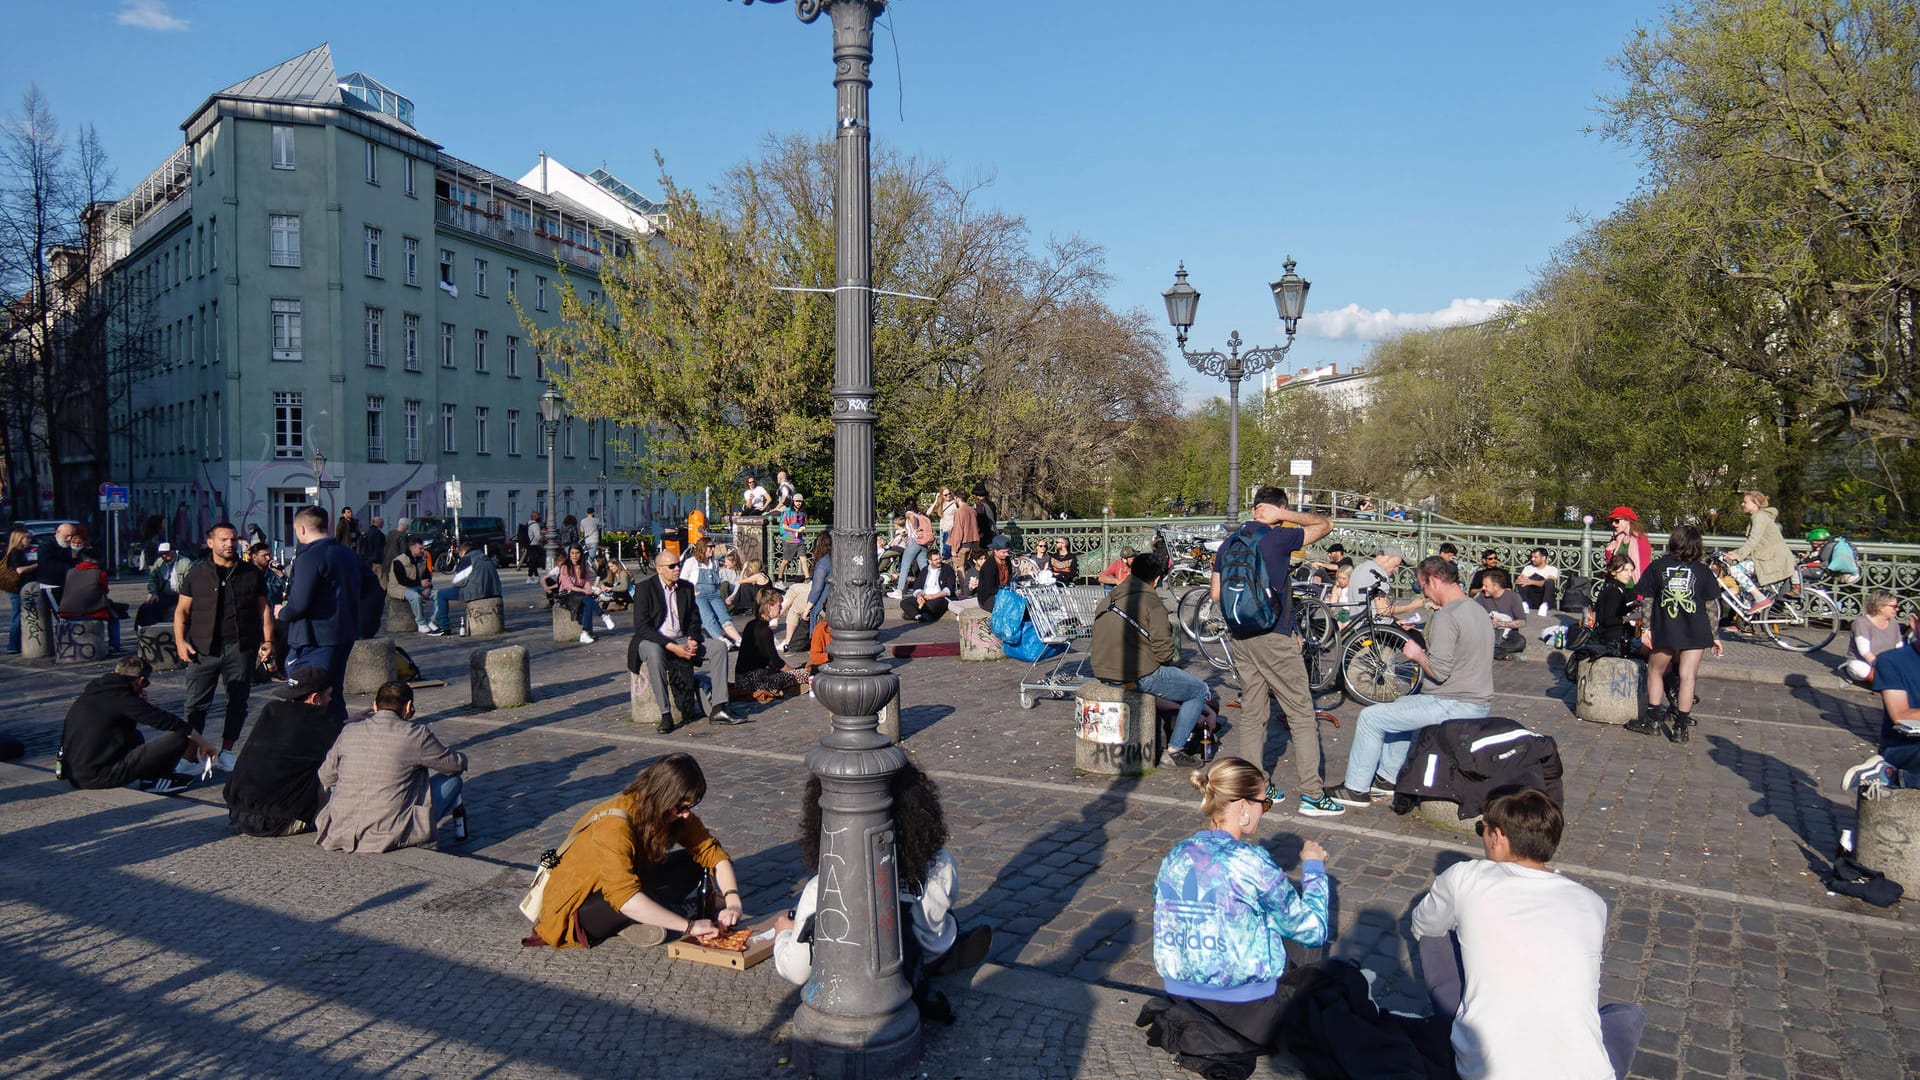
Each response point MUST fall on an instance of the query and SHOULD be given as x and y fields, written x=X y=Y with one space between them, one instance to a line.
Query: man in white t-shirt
x=1537 y=581
x=755 y=499
x=1528 y=943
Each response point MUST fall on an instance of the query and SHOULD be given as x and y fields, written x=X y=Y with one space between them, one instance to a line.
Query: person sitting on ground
x=1227 y=922
x=620 y=875
x=995 y=573
x=84 y=593
x=668 y=641
x=929 y=597
x=1764 y=558
x=702 y=571
x=407 y=579
x=1062 y=562
x=1537 y=580
x=1134 y=646
x=616 y=585
x=1511 y=951
x=1457 y=664
x=1875 y=631
x=929 y=886
x=577 y=584
x=761 y=670
x=1505 y=610
x=274 y=787
x=475 y=577
x=745 y=597
x=389 y=780
x=1678 y=589
x=100 y=743
x=1489 y=561
x=1117 y=570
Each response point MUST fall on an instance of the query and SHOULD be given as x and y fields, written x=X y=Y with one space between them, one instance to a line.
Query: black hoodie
x=99 y=730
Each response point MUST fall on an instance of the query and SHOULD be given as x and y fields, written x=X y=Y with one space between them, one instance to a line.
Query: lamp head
x=550 y=405
x=1290 y=297
x=1183 y=301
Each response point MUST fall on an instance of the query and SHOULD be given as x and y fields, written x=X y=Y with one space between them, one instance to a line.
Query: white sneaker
x=896 y=595
x=225 y=761
x=606 y=620
x=1864 y=773
x=586 y=638
x=428 y=629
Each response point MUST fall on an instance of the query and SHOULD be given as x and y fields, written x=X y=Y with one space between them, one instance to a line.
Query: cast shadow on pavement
x=1859 y=716
x=1786 y=793
x=917 y=718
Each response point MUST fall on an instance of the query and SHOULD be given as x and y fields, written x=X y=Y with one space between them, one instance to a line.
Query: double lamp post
x=1183 y=300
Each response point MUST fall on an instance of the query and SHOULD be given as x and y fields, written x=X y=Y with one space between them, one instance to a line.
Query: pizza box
x=759 y=947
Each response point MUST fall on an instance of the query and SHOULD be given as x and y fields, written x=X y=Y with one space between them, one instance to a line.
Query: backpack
x=1837 y=557
x=1576 y=596
x=1246 y=596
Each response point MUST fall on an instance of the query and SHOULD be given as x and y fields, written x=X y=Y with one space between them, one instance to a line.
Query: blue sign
x=113 y=496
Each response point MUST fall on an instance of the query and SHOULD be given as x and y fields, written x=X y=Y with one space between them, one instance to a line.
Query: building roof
x=307 y=79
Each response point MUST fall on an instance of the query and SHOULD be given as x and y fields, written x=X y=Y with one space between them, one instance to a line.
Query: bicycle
x=1802 y=618
x=1367 y=660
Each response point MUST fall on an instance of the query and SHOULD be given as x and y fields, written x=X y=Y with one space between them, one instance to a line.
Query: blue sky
x=1415 y=159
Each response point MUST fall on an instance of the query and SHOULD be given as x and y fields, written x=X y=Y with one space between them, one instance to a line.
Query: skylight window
x=365 y=91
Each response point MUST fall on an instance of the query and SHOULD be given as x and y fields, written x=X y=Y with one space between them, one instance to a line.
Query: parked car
x=438 y=533
x=42 y=530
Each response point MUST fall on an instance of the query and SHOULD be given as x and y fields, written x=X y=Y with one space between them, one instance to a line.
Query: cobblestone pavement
x=135 y=923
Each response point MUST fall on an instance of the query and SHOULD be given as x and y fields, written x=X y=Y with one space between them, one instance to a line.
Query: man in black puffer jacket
x=100 y=746
x=274 y=789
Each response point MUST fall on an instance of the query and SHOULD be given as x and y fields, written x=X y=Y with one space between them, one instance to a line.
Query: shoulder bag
x=531 y=903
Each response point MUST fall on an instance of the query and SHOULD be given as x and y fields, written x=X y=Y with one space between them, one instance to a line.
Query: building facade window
x=282 y=147
x=213 y=244
x=410 y=504
x=449 y=416
x=513 y=432
x=480 y=351
x=513 y=357
x=539 y=293
x=480 y=430
x=480 y=501
x=513 y=281
x=376 y=430
x=406 y=174
x=479 y=277
x=410 y=428
x=446 y=266
x=567 y=435
x=376 y=337
x=593 y=440
x=446 y=344
x=373 y=164
x=410 y=260
x=284 y=243
x=289 y=425
x=286 y=329
x=218 y=348
x=371 y=238
x=410 y=341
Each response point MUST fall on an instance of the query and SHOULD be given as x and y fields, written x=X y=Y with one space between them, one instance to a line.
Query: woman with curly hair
x=619 y=873
x=929 y=884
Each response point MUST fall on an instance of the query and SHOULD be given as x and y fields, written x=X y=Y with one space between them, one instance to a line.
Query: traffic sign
x=452 y=491
x=113 y=496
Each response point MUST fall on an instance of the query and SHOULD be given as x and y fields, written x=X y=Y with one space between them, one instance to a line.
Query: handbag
x=9 y=578
x=531 y=903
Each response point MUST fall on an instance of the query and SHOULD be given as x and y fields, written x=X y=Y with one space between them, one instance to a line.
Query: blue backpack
x=1246 y=595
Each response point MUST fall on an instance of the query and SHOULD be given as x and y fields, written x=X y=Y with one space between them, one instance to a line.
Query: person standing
x=1631 y=537
x=18 y=572
x=913 y=553
x=963 y=532
x=322 y=611
x=1270 y=660
x=373 y=547
x=536 y=554
x=667 y=634
x=394 y=547
x=347 y=530
x=222 y=627
x=793 y=537
x=786 y=496
x=986 y=516
x=1678 y=589
x=590 y=534
x=101 y=746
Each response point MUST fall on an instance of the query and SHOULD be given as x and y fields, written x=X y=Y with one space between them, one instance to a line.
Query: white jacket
x=933 y=925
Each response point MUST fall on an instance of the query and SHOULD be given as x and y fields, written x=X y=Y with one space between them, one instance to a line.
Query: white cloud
x=149 y=15
x=1355 y=323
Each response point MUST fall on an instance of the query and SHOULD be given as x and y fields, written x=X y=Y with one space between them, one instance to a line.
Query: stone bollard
x=399 y=618
x=157 y=647
x=486 y=618
x=642 y=706
x=566 y=628
x=499 y=677
x=976 y=636
x=1446 y=814
x=369 y=665
x=1888 y=837
x=80 y=641
x=36 y=622
x=1609 y=690
x=1116 y=730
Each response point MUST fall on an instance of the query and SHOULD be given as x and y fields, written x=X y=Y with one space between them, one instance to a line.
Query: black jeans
x=151 y=760
x=913 y=607
x=674 y=885
x=233 y=668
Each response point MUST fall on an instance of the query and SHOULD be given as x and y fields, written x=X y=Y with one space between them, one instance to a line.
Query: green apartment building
x=323 y=279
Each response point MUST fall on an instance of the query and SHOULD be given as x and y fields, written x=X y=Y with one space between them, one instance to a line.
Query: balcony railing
x=481 y=222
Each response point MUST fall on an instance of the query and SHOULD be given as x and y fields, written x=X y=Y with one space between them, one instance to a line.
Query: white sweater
x=933 y=925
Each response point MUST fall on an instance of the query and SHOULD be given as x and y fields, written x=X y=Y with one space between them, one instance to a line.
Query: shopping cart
x=1061 y=615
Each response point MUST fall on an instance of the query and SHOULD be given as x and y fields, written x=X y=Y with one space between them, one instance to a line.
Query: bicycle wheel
x=1323 y=677
x=1187 y=612
x=1182 y=577
x=1375 y=667
x=1313 y=620
x=1217 y=647
x=1803 y=622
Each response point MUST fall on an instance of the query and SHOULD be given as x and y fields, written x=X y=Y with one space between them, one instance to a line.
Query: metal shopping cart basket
x=1061 y=615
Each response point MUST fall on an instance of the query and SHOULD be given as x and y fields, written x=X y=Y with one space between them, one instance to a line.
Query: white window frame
x=373 y=163
x=376 y=337
x=513 y=357
x=480 y=351
x=449 y=421
x=480 y=429
x=283 y=240
x=513 y=432
x=371 y=239
x=283 y=147
x=446 y=344
x=406 y=174
x=289 y=425
x=539 y=293
x=479 y=277
x=446 y=266
x=286 y=328
x=410 y=260
x=410 y=341
x=376 y=428
x=410 y=428
x=513 y=281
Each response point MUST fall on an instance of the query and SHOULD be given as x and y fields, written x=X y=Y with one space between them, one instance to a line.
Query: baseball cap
x=1001 y=543
x=165 y=547
x=304 y=682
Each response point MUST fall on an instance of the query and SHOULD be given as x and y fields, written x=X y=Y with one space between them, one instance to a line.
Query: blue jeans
x=442 y=600
x=1384 y=736
x=1172 y=684
x=417 y=600
x=713 y=610
x=446 y=793
x=13 y=626
x=1904 y=757
x=911 y=557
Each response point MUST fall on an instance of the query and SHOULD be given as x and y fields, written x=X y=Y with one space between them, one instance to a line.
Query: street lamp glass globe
x=550 y=405
x=1183 y=301
x=1290 y=296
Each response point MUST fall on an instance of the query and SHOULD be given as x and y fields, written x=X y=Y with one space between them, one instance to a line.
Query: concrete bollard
x=486 y=618
x=157 y=647
x=36 y=622
x=976 y=636
x=642 y=706
x=369 y=665
x=399 y=619
x=1116 y=732
x=499 y=677
x=1888 y=837
x=80 y=641
x=1609 y=690
x=1446 y=814
x=566 y=628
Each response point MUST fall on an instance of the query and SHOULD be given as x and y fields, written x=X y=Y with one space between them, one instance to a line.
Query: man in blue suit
x=322 y=612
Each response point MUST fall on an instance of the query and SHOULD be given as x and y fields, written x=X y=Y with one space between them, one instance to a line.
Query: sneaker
x=643 y=935
x=606 y=620
x=1642 y=725
x=1679 y=727
x=435 y=632
x=1345 y=796
x=1765 y=603
x=1862 y=773
x=1183 y=759
x=586 y=638
x=1381 y=789
x=225 y=761
x=1320 y=807
x=896 y=595
x=169 y=785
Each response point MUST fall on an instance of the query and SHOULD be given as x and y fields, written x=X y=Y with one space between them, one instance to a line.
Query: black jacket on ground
x=1467 y=761
x=99 y=729
x=276 y=780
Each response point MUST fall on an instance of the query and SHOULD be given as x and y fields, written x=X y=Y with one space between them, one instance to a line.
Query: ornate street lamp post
x=1183 y=300
x=856 y=1015
x=550 y=408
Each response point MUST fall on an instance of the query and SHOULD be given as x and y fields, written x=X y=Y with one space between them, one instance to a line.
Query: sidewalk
x=145 y=939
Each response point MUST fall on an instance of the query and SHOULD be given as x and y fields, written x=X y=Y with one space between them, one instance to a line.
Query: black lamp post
x=550 y=408
x=1183 y=300
x=856 y=1015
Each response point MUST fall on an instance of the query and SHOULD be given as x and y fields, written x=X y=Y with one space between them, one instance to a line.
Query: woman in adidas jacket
x=1223 y=911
